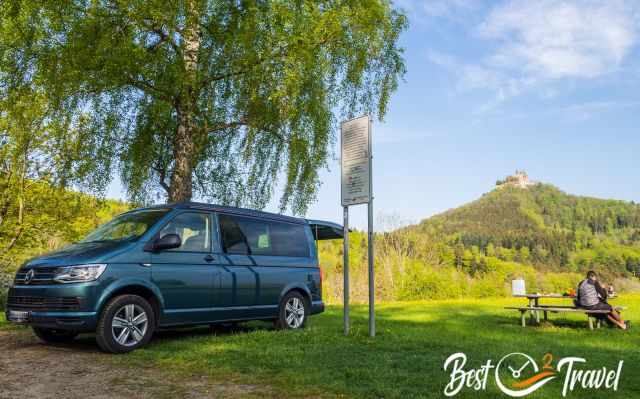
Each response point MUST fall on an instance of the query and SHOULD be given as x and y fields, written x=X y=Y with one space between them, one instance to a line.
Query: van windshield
x=127 y=227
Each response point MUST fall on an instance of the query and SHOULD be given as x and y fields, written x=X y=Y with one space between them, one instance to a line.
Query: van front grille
x=42 y=276
x=43 y=303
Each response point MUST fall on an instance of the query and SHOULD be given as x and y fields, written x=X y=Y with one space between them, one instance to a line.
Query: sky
x=551 y=87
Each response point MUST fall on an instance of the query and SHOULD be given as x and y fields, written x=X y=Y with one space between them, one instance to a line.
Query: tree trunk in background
x=181 y=184
x=180 y=187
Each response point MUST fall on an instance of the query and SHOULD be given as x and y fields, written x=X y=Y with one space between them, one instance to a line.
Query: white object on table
x=518 y=287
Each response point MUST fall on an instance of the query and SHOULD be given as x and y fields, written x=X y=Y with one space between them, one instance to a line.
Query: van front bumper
x=63 y=307
x=74 y=321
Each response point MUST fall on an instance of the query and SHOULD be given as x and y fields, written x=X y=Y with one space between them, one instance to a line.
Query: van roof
x=321 y=230
x=229 y=209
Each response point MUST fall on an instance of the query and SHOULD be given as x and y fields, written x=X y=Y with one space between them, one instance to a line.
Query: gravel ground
x=31 y=369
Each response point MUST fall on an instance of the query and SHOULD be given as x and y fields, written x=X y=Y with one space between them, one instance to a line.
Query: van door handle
x=209 y=258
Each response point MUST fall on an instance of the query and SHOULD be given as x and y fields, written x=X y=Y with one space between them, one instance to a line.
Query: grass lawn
x=404 y=360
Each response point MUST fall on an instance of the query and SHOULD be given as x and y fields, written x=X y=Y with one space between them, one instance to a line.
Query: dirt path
x=30 y=369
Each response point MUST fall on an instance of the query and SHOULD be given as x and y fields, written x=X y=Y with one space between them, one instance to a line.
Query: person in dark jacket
x=592 y=296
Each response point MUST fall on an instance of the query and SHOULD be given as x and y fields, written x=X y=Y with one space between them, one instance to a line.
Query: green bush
x=422 y=282
x=558 y=282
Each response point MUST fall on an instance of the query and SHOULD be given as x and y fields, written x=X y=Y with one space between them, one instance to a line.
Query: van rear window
x=249 y=236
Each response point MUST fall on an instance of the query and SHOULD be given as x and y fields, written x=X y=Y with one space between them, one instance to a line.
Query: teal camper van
x=174 y=265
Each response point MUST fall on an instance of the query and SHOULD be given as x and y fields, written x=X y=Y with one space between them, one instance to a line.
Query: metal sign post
x=357 y=188
x=372 y=290
x=345 y=251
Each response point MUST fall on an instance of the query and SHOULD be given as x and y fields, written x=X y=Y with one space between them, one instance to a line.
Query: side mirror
x=169 y=241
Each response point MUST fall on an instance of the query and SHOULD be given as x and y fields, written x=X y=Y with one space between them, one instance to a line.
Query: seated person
x=592 y=296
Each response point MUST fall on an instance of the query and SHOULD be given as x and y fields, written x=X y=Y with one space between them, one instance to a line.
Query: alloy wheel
x=294 y=312
x=129 y=325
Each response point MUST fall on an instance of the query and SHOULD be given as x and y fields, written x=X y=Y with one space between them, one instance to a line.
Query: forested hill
x=545 y=227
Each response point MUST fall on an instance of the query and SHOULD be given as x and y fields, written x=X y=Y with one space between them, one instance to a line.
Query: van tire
x=53 y=336
x=295 y=308
x=118 y=306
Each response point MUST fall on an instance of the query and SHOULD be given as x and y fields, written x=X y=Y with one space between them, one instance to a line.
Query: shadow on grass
x=220 y=330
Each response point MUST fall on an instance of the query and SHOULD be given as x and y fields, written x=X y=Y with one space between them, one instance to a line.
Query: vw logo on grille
x=29 y=276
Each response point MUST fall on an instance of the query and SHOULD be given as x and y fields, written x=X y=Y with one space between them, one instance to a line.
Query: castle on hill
x=520 y=179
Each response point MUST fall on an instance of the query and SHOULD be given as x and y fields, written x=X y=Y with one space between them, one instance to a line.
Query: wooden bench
x=546 y=309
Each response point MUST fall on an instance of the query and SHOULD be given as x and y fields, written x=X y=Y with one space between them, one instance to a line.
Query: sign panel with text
x=355 y=146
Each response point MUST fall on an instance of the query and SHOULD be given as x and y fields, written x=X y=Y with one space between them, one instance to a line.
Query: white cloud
x=536 y=43
x=478 y=77
x=445 y=61
x=555 y=39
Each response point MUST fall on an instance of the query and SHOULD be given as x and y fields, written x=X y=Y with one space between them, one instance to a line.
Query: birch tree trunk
x=184 y=149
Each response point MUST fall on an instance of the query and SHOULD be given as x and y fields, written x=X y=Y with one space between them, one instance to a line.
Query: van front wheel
x=126 y=323
x=293 y=312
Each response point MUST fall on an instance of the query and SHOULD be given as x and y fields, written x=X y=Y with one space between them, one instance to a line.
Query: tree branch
x=15 y=238
x=149 y=88
x=162 y=174
x=224 y=125
x=242 y=122
x=278 y=54
x=283 y=52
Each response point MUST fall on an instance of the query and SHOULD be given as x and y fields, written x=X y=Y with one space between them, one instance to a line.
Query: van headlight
x=78 y=273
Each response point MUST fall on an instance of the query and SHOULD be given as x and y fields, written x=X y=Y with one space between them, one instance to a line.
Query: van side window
x=248 y=236
x=233 y=239
x=289 y=240
x=193 y=229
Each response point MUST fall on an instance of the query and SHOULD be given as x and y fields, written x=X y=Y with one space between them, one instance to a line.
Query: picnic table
x=535 y=308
